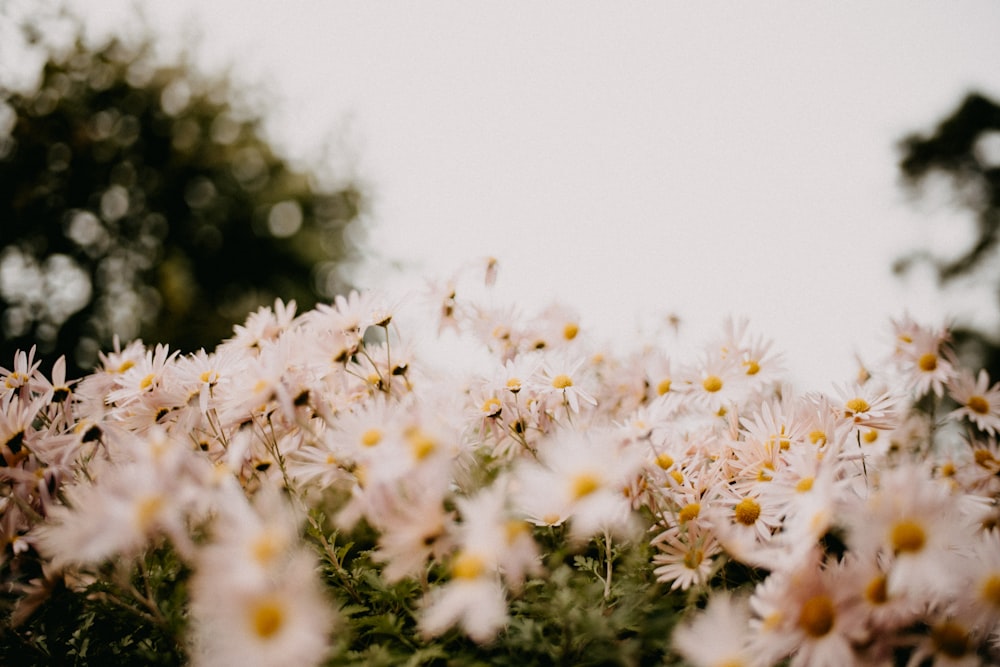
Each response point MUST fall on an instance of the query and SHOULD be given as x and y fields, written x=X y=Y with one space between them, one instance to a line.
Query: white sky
x=638 y=158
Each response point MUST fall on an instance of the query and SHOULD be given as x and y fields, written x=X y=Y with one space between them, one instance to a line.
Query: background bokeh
x=634 y=162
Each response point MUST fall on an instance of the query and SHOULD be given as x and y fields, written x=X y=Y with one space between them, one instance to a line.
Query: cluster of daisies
x=868 y=512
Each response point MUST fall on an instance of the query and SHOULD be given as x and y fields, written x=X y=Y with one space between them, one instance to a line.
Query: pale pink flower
x=720 y=635
x=979 y=401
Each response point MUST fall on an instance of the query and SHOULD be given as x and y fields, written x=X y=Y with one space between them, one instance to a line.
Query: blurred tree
x=140 y=200
x=965 y=149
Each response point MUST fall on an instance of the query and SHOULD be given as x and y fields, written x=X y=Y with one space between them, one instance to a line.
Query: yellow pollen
x=491 y=407
x=127 y=364
x=876 y=591
x=693 y=558
x=562 y=381
x=907 y=536
x=688 y=512
x=927 y=362
x=421 y=444
x=664 y=460
x=752 y=367
x=570 y=331
x=817 y=616
x=951 y=639
x=514 y=529
x=371 y=437
x=208 y=376
x=805 y=484
x=467 y=566
x=514 y=384
x=712 y=383
x=905 y=338
x=772 y=620
x=146 y=511
x=331 y=459
x=870 y=436
x=259 y=386
x=947 y=469
x=266 y=618
x=817 y=437
x=764 y=475
x=747 y=511
x=677 y=476
x=978 y=404
x=856 y=405
x=584 y=484
x=374 y=379
x=989 y=589
x=266 y=548
x=147 y=382
x=663 y=387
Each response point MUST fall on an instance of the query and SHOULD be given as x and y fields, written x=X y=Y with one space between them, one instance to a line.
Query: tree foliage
x=139 y=199
x=964 y=148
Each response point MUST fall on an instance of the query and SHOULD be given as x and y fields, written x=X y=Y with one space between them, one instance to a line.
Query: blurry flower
x=719 y=636
x=281 y=620
x=979 y=401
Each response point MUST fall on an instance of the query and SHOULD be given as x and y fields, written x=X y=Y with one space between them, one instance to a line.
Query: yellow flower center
x=514 y=529
x=127 y=364
x=927 y=362
x=421 y=444
x=712 y=383
x=876 y=591
x=570 y=331
x=677 y=476
x=856 y=405
x=467 y=566
x=805 y=484
x=664 y=460
x=147 y=382
x=693 y=558
x=907 y=536
x=514 y=384
x=989 y=590
x=371 y=437
x=747 y=511
x=491 y=407
x=978 y=404
x=817 y=437
x=751 y=366
x=209 y=377
x=870 y=436
x=562 y=381
x=266 y=548
x=688 y=512
x=663 y=387
x=267 y=617
x=817 y=616
x=583 y=484
x=951 y=639
x=146 y=511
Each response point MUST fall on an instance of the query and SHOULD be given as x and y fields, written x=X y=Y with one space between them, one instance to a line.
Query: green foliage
x=144 y=200
x=132 y=614
x=572 y=614
x=958 y=149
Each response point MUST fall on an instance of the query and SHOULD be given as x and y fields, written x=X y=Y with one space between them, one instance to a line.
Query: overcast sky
x=634 y=159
